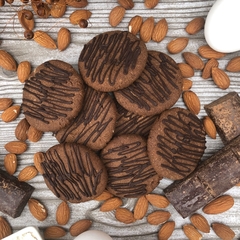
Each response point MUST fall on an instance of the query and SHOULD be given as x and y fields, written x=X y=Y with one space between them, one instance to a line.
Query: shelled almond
x=177 y=45
x=27 y=173
x=140 y=208
x=44 y=39
x=111 y=204
x=151 y=3
x=63 y=38
x=77 y=15
x=234 y=65
x=146 y=29
x=158 y=217
x=166 y=230
x=127 y=4
x=10 y=163
x=54 y=232
x=80 y=226
x=207 y=52
x=5 y=103
x=209 y=127
x=220 y=78
x=11 y=113
x=105 y=195
x=193 y=60
x=33 y=134
x=223 y=231
x=195 y=25
x=5 y=228
x=191 y=232
x=187 y=84
x=16 y=147
x=200 y=222
x=7 y=61
x=157 y=200
x=124 y=215
x=207 y=70
x=186 y=70
x=135 y=24
x=160 y=30
x=116 y=15
x=192 y=101
x=23 y=71
x=22 y=129
x=37 y=209
x=63 y=213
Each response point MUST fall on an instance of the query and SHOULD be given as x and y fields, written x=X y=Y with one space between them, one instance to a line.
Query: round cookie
x=176 y=143
x=112 y=60
x=73 y=172
x=130 y=173
x=94 y=126
x=52 y=96
x=158 y=88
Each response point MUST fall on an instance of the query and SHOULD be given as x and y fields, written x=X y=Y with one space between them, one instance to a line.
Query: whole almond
x=151 y=3
x=186 y=70
x=158 y=217
x=177 y=45
x=44 y=40
x=166 y=230
x=220 y=78
x=207 y=70
x=135 y=24
x=187 y=84
x=77 y=4
x=195 y=25
x=219 y=205
x=146 y=29
x=63 y=39
x=63 y=213
x=27 y=173
x=104 y=196
x=193 y=60
x=191 y=232
x=116 y=15
x=140 y=208
x=223 y=231
x=34 y=135
x=124 y=215
x=192 y=101
x=26 y=19
x=200 y=222
x=234 y=65
x=58 y=8
x=207 y=52
x=77 y=15
x=17 y=147
x=157 y=200
x=11 y=113
x=111 y=204
x=7 y=61
x=38 y=158
x=37 y=209
x=23 y=71
x=5 y=103
x=10 y=163
x=5 y=228
x=54 y=232
x=80 y=227
x=209 y=127
x=22 y=129
x=127 y=4
x=160 y=30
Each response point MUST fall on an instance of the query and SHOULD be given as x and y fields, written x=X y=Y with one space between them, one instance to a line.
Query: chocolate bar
x=14 y=194
x=225 y=113
x=212 y=178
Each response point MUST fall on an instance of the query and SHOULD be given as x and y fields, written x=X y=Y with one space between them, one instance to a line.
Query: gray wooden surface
x=177 y=13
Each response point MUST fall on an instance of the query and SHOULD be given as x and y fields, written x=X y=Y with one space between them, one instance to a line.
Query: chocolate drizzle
x=52 y=94
x=71 y=174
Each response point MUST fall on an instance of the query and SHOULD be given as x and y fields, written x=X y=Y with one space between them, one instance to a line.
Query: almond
x=219 y=205
x=200 y=222
x=124 y=215
x=23 y=71
x=26 y=19
x=10 y=163
x=186 y=70
x=77 y=4
x=54 y=232
x=158 y=217
x=234 y=65
x=192 y=101
x=193 y=60
x=5 y=228
x=187 y=84
x=127 y=4
x=38 y=158
x=207 y=70
x=77 y=15
x=177 y=45
x=63 y=213
x=5 y=103
x=22 y=129
x=34 y=135
x=7 y=61
x=135 y=24
x=111 y=204
x=116 y=15
x=207 y=52
x=151 y=3
x=17 y=147
x=195 y=25
x=140 y=208
x=80 y=227
x=166 y=230
x=27 y=173
x=209 y=127
x=220 y=78
x=37 y=209
x=44 y=40
x=11 y=113
x=223 y=231
x=104 y=196
x=191 y=232
x=58 y=8
x=160 y=30
x=146 y=29
x=63 y=38
x=157 y=200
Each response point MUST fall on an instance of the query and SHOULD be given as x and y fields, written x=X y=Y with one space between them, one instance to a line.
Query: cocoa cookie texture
x=176 y=143
x=52 y=96
x=112 y=60
x=73 y=172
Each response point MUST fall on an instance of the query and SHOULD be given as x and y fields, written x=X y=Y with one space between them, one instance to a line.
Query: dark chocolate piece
x=212 y=178
x=14 y=194
x=225 y=113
